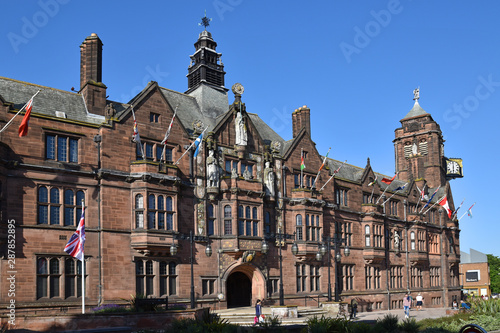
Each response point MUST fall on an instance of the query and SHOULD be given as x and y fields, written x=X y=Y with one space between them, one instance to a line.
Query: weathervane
x=416 y=94
x=205 y=21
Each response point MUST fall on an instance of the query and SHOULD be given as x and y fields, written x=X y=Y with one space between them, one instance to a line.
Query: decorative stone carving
x=247 y=175
x=198 y=126
x=269 y=180
x=241 y=130
x=201 y=218
x=234 y=173
x=212 y=170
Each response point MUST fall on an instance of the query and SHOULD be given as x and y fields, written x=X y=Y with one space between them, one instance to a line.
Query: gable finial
x=205 y=21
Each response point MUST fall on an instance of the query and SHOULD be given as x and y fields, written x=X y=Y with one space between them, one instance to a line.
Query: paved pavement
x=414 y=313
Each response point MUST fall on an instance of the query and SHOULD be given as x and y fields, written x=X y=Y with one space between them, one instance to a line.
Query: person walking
x=407 y=305
x=420 y=301
x=258 y=311
x=354 y=308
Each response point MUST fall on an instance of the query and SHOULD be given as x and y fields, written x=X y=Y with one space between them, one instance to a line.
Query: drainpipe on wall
x=97 y=140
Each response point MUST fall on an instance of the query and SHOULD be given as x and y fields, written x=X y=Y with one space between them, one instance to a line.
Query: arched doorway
x=239 y=290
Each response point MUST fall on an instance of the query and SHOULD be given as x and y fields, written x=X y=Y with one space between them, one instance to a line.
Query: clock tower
x=206 y=67
x=419 y=147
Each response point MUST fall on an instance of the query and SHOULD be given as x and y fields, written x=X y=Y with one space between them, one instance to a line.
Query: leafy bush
x=209 y=323
x=387 y=324
x=409 y=326
x=328 y=324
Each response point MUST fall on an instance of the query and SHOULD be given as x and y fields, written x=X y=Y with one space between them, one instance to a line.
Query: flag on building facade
x=444 y=203
x=469 y=211
x=302 y=163
x=374 y=181
x=456 y=210
x=76 y=243
x=136 y=137
x=432 y=196
x=400 y=188
x=23 y=128
x=167 y=134
x=197 y=144
x=389 y=181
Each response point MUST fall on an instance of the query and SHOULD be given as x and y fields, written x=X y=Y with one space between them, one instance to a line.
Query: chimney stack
x=301 y=118
x=91 y=86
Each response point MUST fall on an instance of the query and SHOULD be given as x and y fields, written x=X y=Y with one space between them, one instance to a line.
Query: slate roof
x=266 y=133
x=415 y=111
x=48 y=101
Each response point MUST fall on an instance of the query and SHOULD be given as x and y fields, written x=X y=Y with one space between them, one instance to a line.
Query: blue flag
x=197 y=144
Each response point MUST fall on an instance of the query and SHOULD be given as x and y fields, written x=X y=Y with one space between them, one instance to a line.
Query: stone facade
x=136 y=208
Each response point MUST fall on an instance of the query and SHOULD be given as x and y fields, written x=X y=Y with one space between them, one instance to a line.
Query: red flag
x=23 y=128
x=444 y=203
x=388 y=181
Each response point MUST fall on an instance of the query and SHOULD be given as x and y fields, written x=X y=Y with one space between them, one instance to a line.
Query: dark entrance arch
x=239 y=290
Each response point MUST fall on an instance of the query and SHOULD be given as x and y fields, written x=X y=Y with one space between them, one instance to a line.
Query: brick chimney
x=91 y=86
x=301 y=118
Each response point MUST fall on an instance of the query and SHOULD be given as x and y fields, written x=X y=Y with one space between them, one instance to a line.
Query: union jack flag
x=75 y=245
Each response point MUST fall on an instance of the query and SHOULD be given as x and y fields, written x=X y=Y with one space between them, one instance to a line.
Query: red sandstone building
x=243 y=189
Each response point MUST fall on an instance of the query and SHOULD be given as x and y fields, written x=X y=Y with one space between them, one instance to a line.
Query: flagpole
x=432 y=196
x=140 y=143
x=301 y=169
x=393 y=194
x=190 y=147
x=466 y=211
x=456 y=211
x=434 y=204
x=386 y=188
x=24 y=106
x=321 y=167
x=334 y=173
x=83 y=269
x=168 y=130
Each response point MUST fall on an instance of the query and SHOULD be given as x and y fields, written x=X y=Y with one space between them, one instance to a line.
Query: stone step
x=245 y=316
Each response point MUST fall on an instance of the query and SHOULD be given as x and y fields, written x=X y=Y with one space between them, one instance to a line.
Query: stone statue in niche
x=414 y=149
x=269 y=179
x=396 y=240
x=241 y=130
x=212 y=170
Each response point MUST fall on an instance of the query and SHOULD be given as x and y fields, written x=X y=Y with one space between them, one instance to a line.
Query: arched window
x=69 y=207
x=161 y=211
x=151 y=211
x=54 y=206
x=210 y=220
x=267 y=223
x=170 y=213
x=298 y=226
x=43 y=205
x=228 y=221
x=139 y=211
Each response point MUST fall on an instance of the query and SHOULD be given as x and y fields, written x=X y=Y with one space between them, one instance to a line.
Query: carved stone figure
x=234 y=173
x=241 y=130
x=414 y=149
x=212 y=170
x=396 y=240
x=269 y=180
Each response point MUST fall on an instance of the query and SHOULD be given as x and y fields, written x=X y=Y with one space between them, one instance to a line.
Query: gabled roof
x=267 y=134
x=48 y=101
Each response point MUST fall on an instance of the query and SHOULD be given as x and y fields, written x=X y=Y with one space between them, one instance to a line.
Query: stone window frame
x=248 y=220
x=62 y=147
x=53 y=278
x=55 y=207
x=155 y=277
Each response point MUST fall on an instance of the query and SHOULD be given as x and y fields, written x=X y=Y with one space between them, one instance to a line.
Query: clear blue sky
x=354 y=63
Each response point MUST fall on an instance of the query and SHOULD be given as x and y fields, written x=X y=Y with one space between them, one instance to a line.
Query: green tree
x=494 y=263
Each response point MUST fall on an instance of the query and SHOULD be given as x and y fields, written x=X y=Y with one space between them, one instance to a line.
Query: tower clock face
x=453 y=167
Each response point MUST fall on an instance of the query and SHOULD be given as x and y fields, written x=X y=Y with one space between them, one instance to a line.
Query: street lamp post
x=336 y=241
x=192 y=239
x=280 y=239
